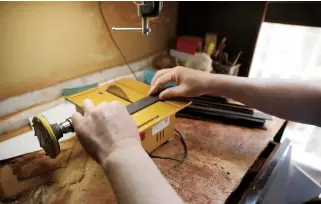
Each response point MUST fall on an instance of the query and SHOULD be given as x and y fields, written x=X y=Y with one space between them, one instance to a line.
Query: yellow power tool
x=154 y=118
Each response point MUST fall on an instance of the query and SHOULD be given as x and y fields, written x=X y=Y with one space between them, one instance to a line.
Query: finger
x=158 y=74
x=76 y=118
x=161 y=81
x=103 y=105
x=172 y=92
x=87 y=106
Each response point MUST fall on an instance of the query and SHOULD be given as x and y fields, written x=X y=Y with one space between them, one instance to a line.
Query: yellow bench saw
x=154 y=118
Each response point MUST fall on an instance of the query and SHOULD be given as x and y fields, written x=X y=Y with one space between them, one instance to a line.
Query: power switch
x=142 y=136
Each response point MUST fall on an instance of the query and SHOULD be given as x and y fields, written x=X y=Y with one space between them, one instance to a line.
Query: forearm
x=136 y=179
x=292 y=100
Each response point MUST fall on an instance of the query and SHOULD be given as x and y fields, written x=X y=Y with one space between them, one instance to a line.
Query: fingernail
x=161 y=96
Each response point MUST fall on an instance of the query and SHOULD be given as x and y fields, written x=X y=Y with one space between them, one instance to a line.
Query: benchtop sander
x=153 y=117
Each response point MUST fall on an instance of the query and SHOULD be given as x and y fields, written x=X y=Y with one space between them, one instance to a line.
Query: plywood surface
x=44 y=43
x=219 y=156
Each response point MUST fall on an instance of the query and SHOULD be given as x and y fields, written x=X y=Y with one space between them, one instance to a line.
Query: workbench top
x=218 y=157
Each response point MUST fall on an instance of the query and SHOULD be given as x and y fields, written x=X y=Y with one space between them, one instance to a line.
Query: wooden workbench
x=219 y=156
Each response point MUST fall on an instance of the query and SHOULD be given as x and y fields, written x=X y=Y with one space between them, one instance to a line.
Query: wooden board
x=219 y=156
x=45 y=43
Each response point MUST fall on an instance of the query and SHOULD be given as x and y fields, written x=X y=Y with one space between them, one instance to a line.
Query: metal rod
x=145 y=29
x=127 y=29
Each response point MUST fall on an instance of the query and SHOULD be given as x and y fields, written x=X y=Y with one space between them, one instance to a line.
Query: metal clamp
x=145 y=10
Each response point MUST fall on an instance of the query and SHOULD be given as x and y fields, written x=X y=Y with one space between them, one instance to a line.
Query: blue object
x=149 y=75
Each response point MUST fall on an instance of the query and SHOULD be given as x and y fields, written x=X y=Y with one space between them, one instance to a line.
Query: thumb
x=76 y=118
x=171 y=92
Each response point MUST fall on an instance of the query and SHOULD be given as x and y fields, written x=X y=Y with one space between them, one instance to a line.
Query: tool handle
x=67 y=126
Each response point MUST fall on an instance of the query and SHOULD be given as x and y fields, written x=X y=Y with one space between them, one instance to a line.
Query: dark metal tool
x=134 y=106
x=145 y=10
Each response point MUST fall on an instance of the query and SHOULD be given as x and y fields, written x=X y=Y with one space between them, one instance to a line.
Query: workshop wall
x=45 y=43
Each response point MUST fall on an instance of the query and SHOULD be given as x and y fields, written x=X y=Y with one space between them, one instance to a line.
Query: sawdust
x=93 y=188
x=218 y=159
x=191 y=197
x=34 y=171
x=37 y=164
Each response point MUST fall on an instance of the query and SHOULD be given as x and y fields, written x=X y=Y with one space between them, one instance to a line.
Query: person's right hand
x=105 y=129
x=190 y=82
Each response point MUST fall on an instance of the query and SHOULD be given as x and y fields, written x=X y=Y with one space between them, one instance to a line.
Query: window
x=291 y=51
x=287 y=51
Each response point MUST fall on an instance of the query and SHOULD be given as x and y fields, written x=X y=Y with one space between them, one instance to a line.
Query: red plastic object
x=189 y=44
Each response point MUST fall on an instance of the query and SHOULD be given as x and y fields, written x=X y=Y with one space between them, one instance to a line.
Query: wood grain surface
x=219 y=156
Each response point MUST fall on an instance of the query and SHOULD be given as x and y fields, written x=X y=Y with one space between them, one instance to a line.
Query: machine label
x=160 y=125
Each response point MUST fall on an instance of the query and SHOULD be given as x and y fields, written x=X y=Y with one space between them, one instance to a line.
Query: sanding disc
x=46 y=136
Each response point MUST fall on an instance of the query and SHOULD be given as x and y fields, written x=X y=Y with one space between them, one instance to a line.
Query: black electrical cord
x=178 y=134
x=112 y=38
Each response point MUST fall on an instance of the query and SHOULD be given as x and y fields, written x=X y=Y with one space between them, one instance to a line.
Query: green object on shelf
x=71 y=91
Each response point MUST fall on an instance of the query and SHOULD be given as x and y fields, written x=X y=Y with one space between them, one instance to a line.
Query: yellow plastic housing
x=155 y=122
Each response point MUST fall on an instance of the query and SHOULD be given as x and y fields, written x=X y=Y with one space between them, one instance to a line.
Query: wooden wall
x=44 y=43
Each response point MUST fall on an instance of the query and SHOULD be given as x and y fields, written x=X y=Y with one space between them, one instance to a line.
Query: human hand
x=104 y=129
x=190 y=82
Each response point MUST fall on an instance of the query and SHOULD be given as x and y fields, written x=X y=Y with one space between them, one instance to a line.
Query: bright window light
x=287 y=51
